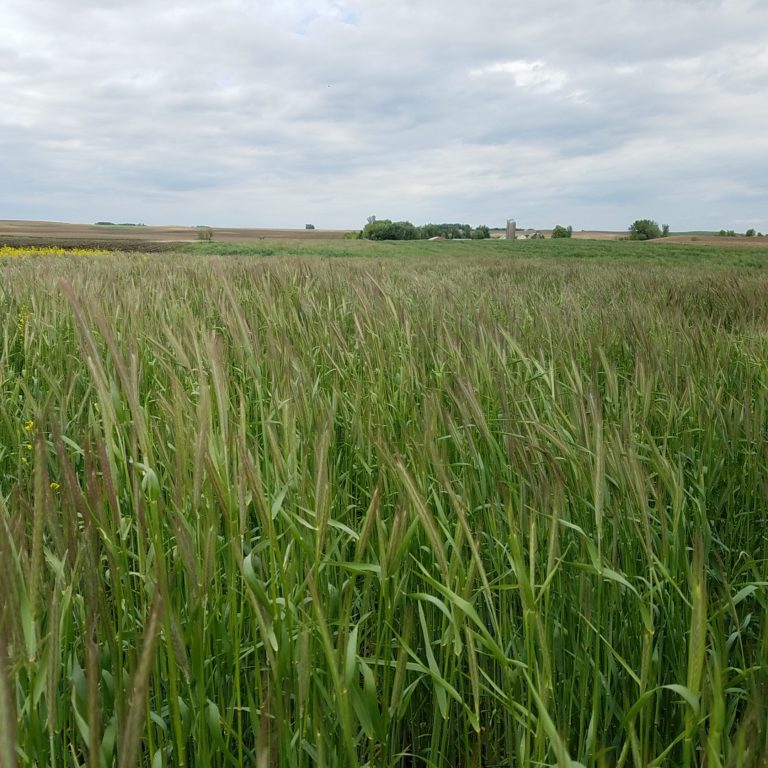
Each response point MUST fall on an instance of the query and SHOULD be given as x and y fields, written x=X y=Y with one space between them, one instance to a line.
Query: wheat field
x=486 y=508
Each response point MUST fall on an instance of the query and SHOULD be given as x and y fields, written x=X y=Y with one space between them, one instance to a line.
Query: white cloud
x=527 y=74
x=231 y=112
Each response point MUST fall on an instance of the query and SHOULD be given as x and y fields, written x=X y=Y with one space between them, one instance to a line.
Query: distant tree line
x=385 y=229
x=647 y=229
x=121 y=224
x=731 y=233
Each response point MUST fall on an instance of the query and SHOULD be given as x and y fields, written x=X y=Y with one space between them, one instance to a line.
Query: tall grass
x=295 y=512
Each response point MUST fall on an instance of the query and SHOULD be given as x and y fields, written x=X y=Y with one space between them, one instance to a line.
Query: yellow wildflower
x=55 y=486
x=23 y=252
x=23 y=316
x=29 y=425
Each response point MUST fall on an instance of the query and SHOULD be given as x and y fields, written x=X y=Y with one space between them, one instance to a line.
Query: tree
x=384 y=229
x=665 y=230
x=644 y=229
x=750 y=233
x=560 y=231
x=430 y=230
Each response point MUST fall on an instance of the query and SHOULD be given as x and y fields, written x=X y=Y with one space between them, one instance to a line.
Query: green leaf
x=213 y=719
x=350 y=657
x=437 y=678
x=108 y=741
x=361 y=568
x=365 y=703
x=687 y=694
x=744 y=593
x=277 y=504
x=611 y=575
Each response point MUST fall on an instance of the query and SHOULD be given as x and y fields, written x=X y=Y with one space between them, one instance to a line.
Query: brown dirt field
x=734 y=242
x=63 y=233
x=598 y=235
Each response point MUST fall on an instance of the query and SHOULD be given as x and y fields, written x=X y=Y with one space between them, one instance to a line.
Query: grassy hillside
x=450 y=504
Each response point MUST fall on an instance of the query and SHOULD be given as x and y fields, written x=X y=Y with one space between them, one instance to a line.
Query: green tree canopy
x=560 y=231
x=385 y=229
x=644 y=229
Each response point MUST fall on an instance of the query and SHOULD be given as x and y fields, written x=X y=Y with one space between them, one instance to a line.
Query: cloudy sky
x=285 y=112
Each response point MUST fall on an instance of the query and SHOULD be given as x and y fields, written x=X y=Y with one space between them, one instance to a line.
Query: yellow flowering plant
x=25 y=251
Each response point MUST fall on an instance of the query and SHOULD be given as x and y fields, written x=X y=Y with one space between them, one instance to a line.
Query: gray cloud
x=272 y=114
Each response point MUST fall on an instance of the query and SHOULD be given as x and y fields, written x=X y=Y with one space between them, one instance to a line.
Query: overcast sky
x=286 y=112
